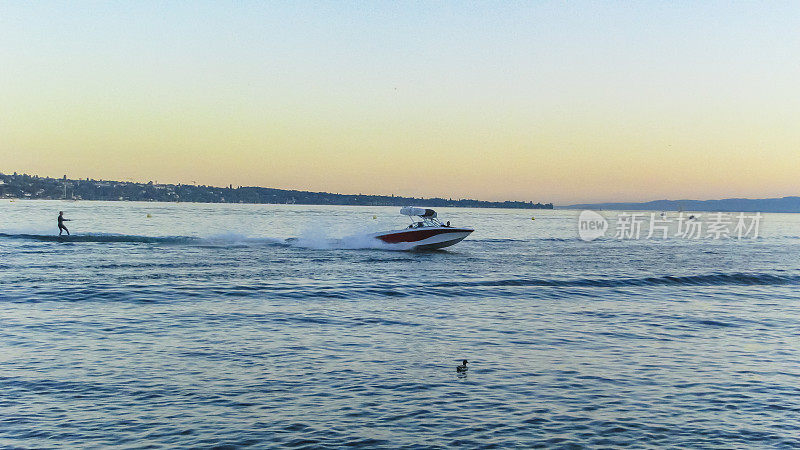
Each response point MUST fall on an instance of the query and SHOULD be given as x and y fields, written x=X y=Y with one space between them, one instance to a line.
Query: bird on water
x=462 y=367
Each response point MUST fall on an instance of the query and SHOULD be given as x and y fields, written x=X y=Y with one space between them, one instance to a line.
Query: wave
x=313 y=242
x=102 y=238
x=508 y=288
x=136 y=239
x=356 y=242
x=718 y=279
x=532 y=239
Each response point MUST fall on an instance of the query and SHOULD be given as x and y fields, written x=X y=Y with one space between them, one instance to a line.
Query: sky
x=547 y=101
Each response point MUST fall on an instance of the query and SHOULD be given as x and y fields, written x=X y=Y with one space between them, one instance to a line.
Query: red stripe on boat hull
x=418 y=235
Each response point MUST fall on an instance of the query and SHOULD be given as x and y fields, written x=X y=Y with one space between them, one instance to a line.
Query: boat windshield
x=427 y=222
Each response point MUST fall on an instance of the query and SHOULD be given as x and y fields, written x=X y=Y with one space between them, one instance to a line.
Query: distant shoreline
x=764 y=205
x=34 y=187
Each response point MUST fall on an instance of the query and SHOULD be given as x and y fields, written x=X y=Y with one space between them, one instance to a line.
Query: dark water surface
x=202 y=326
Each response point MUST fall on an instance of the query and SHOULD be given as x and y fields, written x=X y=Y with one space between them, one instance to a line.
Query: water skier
x=61 y=220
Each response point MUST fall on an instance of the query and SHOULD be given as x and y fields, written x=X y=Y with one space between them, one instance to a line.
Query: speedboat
x=426 y=233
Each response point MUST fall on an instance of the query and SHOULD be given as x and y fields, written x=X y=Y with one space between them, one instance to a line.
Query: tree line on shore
x=35 y=187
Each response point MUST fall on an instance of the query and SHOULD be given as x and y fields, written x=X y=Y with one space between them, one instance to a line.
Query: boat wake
x=307 y=240
x=99 y=238
x=317 y=240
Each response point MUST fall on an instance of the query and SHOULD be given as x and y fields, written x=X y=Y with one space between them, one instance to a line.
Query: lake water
x=202 y=326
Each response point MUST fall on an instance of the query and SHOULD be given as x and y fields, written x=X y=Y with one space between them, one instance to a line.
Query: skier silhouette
x=61 y=221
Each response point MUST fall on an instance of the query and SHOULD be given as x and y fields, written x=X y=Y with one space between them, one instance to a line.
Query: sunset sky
x=562 y=102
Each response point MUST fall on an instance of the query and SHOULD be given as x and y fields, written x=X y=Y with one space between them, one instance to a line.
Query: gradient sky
x=546 y=101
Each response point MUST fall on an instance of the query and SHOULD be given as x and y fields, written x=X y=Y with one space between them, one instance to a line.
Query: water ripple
x=227 y=341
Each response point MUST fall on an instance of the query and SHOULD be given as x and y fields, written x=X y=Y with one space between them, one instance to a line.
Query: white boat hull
x=423 y=238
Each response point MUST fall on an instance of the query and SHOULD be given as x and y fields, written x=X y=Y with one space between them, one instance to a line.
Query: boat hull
x=427 y=238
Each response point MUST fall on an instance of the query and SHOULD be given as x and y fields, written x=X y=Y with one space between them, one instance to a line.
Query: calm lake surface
x=201 y=325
